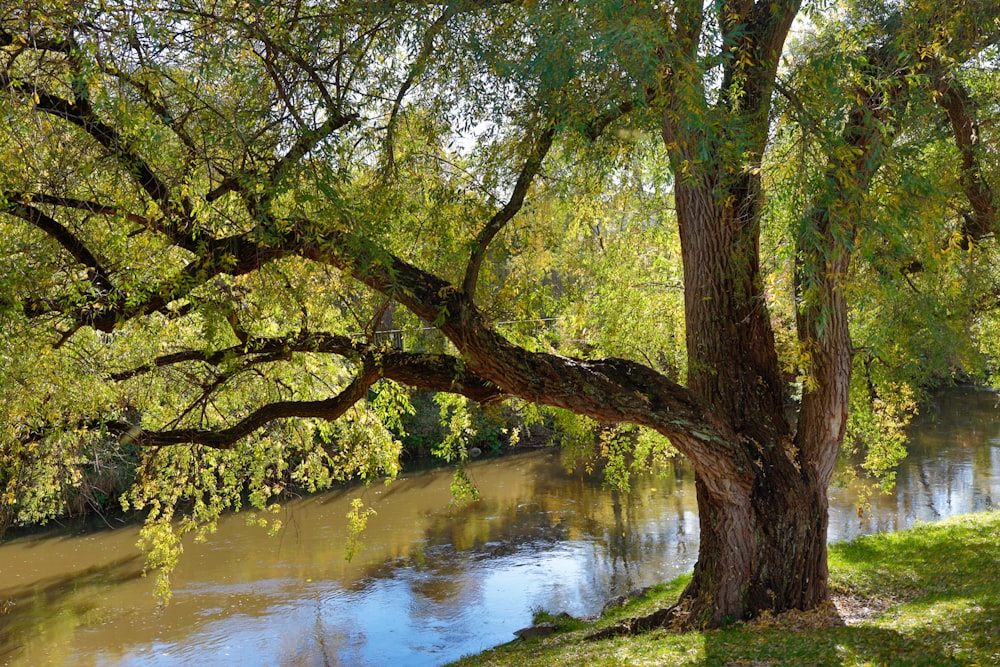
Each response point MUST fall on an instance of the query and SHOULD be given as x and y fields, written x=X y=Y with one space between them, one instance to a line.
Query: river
x=431 y=581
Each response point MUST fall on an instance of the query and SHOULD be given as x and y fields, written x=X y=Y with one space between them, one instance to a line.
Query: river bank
x=924 y=596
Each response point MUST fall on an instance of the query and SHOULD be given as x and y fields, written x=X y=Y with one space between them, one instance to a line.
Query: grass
x=926 y=596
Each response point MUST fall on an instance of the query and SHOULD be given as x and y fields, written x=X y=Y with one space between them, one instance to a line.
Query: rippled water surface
x=431 y=582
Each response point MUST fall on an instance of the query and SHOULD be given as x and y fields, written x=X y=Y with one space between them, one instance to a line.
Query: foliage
x=357 y=520
x=919 y=282
x=876 y=430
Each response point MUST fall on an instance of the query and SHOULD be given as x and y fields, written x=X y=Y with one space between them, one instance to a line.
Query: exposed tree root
x=843 y=609
x=669 y=617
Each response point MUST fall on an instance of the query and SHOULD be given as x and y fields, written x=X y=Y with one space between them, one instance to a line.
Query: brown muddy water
x=431 y=582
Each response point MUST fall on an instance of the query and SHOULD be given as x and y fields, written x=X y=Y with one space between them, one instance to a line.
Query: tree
x=203 y=197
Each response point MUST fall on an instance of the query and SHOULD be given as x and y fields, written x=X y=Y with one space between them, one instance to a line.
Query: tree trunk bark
x=763 y=531
x=766 y=552
x=764 y=519
x=763 y=549
x=763 y=537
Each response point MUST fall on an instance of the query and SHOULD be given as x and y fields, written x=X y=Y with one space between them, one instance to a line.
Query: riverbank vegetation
x=924 y=596
x=239 y=235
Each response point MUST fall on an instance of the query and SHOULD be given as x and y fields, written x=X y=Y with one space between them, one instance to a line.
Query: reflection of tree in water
x=57 y=606
x=928 y=490
x=950 y=468
x=624 y=538
x=622 y=548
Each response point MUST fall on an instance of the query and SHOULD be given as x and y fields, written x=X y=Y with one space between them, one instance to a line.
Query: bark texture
x=763 y=541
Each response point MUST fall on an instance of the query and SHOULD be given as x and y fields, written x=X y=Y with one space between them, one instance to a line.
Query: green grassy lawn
x=926 y=596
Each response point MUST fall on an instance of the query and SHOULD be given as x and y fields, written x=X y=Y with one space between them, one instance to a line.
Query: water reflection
x=431 y=581
x=953 y=467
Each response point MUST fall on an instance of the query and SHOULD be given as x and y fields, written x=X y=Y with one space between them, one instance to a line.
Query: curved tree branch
x=436 y=372
x=63 y=236
x=957 y=103
x=532 y=164
x=426 y=371
x=608 y=390
x=329 y=409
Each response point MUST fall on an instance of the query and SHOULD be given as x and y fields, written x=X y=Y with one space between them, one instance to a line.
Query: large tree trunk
x=763 y=519
x=763 y=547
x=763 y=531
x=764 y=552
x=763 y=516
x=764 y=525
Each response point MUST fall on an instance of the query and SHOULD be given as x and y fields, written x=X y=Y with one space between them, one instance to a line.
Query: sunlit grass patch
x=930 y=596
x=955 y=553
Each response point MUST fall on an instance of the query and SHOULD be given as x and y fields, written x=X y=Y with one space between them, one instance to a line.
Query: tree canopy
x=646 y=214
